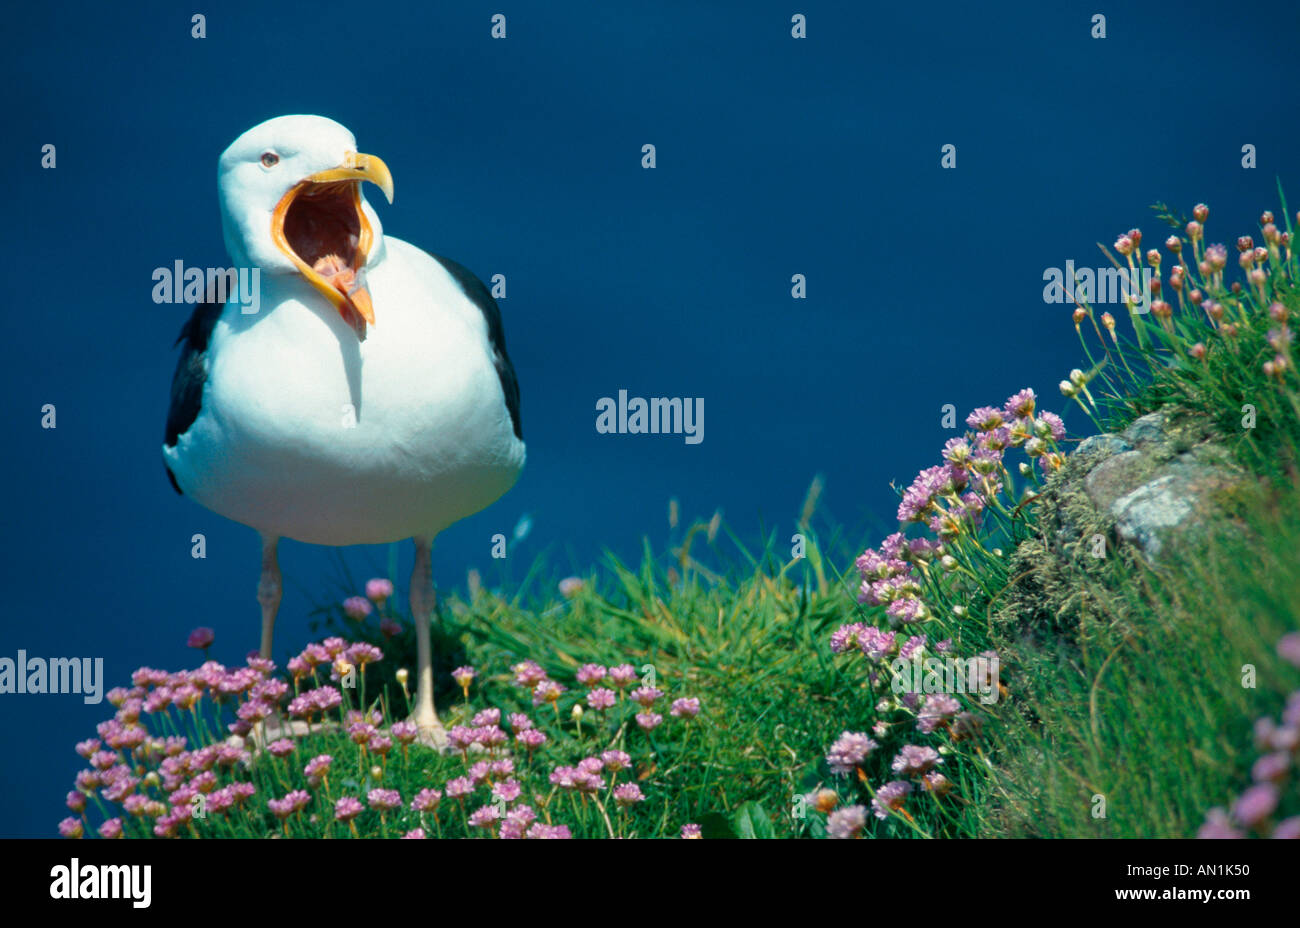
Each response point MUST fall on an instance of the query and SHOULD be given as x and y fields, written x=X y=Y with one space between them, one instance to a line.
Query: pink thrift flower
x=846 y=822
x=1288 y=648
x=889 y=798
x=622 y=675
x=484 y=817
x=614 y=761
x=645 y=696
x=628 y=794
x=426 y=800
x=405 y=732
x=691 y=830
x=1255 y=805
x=464 y=676
x=507 y=790
x=347 y=808
x=531 y=738
x=318 y=767
x=384 y=800
x=1217 y=826
x=1288 y=828
x=848 y=751
x=549 y=832
x=357 y=608
x=529 y=673
x=547 y=691
x=459 y=787
x=914 y=760
x=201 y=638
x=685 y=708
x=378 y=590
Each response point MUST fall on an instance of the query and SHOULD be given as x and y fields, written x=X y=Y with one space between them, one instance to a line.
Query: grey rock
x=1149 y=429
x=1177 y=501
x=1102 y=446
x=1116 y=476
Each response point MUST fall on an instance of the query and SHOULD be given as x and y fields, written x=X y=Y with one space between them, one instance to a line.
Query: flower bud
x=1153 y=258
x=402 y=675
x=1201 y=212
x=1174 y=244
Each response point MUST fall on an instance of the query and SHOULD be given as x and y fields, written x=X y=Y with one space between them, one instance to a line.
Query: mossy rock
x=1121 y=502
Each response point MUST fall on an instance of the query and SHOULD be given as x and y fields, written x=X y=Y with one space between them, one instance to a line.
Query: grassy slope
x=1141 y=703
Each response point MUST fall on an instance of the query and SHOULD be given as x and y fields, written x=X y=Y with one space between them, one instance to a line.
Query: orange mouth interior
x=323 y=230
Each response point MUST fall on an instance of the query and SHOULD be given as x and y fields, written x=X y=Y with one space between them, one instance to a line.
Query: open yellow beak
x=334 y=195
x=359 y=167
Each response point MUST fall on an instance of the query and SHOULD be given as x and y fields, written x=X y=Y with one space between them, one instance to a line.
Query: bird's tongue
x=356 y=309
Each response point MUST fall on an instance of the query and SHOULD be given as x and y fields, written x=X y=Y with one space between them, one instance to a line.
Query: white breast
x=307 y=433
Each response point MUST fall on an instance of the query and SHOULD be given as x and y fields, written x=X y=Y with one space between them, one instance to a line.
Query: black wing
x=191 y=374
x=480 y=296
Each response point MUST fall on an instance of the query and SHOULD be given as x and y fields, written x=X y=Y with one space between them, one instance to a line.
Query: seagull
x=367 y=398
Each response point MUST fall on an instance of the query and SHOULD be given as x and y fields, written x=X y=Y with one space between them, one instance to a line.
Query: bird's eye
x=270 y=159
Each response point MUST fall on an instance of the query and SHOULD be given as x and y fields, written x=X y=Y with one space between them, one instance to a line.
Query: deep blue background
x=522 y=157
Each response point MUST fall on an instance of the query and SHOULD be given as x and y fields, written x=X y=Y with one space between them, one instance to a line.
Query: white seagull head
x=291 y=203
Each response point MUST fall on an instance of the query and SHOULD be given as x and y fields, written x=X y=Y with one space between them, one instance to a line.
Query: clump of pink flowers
x=1261 y=808
x=250 y=752
x=918 y=586
x=182 y=753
